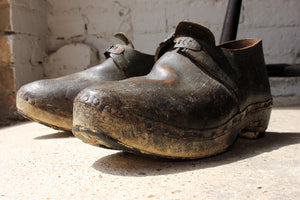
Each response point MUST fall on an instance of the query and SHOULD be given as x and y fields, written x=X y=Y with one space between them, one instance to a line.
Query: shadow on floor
x=126 y=164
x=62 y=134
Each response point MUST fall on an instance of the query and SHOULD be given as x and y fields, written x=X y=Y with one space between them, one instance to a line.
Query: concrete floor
x=41 y=163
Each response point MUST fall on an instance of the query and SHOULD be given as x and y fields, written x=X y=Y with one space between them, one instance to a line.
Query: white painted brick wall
x=28 y=19
x=70 y=58
x=277 y=22
x=28 y=56
x=148 y=22
x=44 y=26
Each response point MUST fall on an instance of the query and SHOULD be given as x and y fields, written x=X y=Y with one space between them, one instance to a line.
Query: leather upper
x=194 y=84
x=57 y=95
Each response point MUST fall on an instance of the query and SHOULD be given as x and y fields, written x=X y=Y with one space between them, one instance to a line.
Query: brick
x=62 y=6
x=276 y=22
x=36 y=5
x=5 y=51
x=70 y=59
x=148 y=42
x=149 y=17
x=7 y=93
x=7 y=78
x=77 y=5
x=276 y=13
x=28 y=21
x=101 y=44
x=27 y=49
x=204 y=12
x=26 y=73
x=285 y=91
x=281 y=45
x=66 y=25
x=23 y=17
x=5 y=23
x=91 y=17
x=4 y=3
x=114 y=17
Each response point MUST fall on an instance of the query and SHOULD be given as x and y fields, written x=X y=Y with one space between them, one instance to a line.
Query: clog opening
x=240 y=44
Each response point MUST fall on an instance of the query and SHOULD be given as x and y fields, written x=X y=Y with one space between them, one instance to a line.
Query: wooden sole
x=36 y=114
x=143 y=136
x=48 y=119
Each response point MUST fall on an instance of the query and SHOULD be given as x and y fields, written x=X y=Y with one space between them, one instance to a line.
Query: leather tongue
x=196 y=31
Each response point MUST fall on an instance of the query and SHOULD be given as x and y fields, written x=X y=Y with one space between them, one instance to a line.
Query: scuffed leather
x=189 y=87
x=57 y=95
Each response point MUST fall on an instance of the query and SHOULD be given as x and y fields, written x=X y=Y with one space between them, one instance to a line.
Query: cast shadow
x=57 y=135
x=126 y=164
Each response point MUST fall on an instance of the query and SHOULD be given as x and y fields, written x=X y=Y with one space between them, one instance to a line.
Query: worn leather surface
x=57 y=95
x=194 y=84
